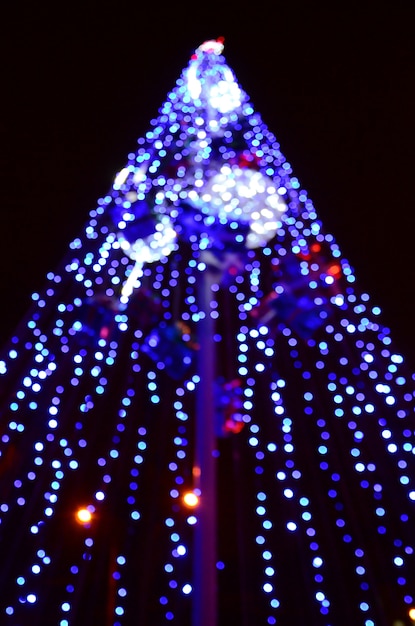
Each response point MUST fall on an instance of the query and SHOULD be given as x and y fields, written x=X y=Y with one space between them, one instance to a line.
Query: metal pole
x=205 y=583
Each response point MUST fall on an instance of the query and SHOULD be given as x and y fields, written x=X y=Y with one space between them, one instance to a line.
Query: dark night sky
x=335 y=85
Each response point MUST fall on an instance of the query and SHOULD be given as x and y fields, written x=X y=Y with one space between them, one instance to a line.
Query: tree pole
x=205 y=577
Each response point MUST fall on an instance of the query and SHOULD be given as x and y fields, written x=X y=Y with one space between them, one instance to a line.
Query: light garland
x=314 y=406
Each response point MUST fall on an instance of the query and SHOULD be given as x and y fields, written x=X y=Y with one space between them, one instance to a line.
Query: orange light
x=191 y=499
x=83 y=515
x=334 y=270
x=411 y=614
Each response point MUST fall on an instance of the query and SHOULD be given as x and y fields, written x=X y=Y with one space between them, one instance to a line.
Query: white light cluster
x=247 y=196
x=218 y=91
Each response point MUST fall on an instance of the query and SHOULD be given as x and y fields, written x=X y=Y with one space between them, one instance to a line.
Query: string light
x=99 y=393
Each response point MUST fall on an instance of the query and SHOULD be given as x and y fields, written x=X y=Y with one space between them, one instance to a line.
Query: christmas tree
x=202 y=417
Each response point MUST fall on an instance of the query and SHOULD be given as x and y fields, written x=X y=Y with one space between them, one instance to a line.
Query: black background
x=334 y=83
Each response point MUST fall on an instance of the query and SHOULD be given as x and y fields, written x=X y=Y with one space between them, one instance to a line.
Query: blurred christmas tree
x=202 y=418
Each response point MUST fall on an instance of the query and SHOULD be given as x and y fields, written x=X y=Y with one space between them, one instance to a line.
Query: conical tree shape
x=204 y=286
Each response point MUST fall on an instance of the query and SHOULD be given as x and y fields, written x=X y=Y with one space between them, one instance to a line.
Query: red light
x=233 y=426
x=334 y=270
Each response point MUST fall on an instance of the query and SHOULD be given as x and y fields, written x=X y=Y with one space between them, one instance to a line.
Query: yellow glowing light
x=83 y=516
x=411 y=614
x=191 y=499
